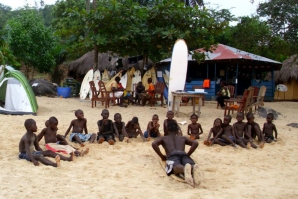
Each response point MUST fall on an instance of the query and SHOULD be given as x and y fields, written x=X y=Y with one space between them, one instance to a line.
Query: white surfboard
x=178 y=69
x=96 y=79
x=123 y=80
x=85 y=87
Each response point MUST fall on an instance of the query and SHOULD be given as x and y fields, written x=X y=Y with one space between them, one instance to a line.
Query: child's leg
x=46 y=161
x=53 y=155
x=92 y=138
x=240 y=143
x=258 y=133
x=110 y=140
x=218 y=141
x=226 y=138
x=100 y=139
x=245 y=141
x=61 y=140
x=78 y=140
x=121 y=137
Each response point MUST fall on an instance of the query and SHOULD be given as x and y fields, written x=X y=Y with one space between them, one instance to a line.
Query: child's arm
x=210 y=133
x=36 y=145
x=275 y=130
x=217 y=135
x=233 y=133
x=188 y=130
x=201 y=130
x=28 y=153
x=85 y=126
x=41 y=134
x=140 y=131
x=67 y=131
x=124 y=130
x=115 y=129
x=165 y=127
x=149 y=129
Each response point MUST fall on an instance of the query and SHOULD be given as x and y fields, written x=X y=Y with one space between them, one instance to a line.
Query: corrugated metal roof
x=224 y=52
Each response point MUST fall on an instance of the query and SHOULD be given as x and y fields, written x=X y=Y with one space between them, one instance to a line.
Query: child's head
x=30 y=125
x=269 y=117
x=53 y=123
x=135 y=120
x=172 y=126
x=117 y=79
x=217 y=122
x=79 y=114
x=240 y=117
x=155 y=118
x=227 y=119
x=149 y=80
x=117 y=117
x=139 y=84
x=194 y=118
x=250 y=117
x=47 y=123
x=170 y=115
x=105 y=114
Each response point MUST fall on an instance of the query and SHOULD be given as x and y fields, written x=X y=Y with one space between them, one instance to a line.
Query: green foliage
x=282 y=16
x=31 y=41
x=60 y=55
x=6 y=55
x=5 y=13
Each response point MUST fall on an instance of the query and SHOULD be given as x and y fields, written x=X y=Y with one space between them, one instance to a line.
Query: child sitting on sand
x=56 y=142
x=228 y=135
x=30 y=150
x=152 y=128
x=119 y=127
x=194 y=129
x=253 y=130
x=170 y=116
x=78 y=126
x=133 y=128
x=216 y=129
x=105 y=128
x=268 y=129
x=240 y=131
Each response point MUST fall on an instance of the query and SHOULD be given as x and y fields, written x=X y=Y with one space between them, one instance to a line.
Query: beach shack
x=236 y=67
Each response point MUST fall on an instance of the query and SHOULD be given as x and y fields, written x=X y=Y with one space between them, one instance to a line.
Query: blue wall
x=270 y=88
x=210 y=91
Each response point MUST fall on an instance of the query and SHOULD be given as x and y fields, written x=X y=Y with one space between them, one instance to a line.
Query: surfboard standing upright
x=178 y=69
x=85 y=87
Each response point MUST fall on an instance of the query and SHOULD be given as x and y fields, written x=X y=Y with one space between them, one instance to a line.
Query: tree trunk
x=95 y=61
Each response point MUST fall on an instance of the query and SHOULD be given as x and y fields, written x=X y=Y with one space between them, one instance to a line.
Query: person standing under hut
x=223 y=94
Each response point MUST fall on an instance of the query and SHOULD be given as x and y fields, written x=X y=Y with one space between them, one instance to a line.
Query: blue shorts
x=83 y=137
x=231 y=138
x=23 y=155
x=146 y=135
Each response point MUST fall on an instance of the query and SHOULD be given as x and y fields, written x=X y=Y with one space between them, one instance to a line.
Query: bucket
x=64 y=92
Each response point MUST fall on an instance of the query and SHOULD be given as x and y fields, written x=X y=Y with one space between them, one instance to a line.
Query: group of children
x=240 y=133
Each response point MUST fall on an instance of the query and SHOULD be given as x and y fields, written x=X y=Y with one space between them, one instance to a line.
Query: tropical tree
x=32 y=42
x=6 y=55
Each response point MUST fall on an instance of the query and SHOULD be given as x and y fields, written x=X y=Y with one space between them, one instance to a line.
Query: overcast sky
x=237 y=7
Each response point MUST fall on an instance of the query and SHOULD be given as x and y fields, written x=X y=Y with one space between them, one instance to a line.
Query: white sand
x=133 y=171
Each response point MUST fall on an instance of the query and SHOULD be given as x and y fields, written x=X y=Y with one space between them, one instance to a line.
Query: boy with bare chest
x=253 y=130
x=240 y=131
x=78 y=126
x=194 y=129
x=119 y=127
x=268 y=129
x=170 y=116
x=228 y=134
x=133 y=129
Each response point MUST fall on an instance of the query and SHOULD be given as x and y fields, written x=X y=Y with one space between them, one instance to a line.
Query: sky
x=237 y=7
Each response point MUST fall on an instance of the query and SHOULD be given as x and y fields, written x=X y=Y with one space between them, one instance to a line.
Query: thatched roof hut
x=109 y=61
x=289 y=69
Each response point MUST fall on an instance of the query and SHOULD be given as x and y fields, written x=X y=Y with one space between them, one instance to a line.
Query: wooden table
x=177 y=99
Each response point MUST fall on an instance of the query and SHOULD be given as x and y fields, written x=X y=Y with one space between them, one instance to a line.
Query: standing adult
x=223 y=94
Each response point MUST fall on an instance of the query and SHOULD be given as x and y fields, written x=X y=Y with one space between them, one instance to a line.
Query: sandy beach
x=132 y=170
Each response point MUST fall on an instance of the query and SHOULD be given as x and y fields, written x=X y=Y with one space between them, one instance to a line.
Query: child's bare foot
x=129 y=140
x=101 y=140
x=111 y=142
x=206 y=142
x=85 y=152
x=187 y=174
x=262 y=145
x=248 y=145
x=72 y=157
x=125 y=139
x=196 y=174
x=148 y=139
x=82 y=145
x=57 y=159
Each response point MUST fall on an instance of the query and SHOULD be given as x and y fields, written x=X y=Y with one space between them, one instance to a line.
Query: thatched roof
x=276 y=76
x=107 y=61
x=289 y=69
